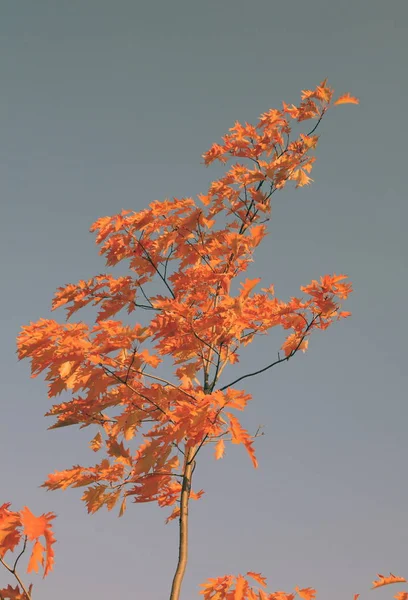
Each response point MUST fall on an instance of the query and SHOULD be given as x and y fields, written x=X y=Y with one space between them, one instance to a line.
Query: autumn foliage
x=150 y=430
x=16 y=530
x=198 y=322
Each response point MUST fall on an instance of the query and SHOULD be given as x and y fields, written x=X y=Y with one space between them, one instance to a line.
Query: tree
x=151 y=429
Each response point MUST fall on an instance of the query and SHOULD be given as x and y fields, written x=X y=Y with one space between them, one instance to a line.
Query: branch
x=276 y=362
x=216 y=438
x=149 y=259
x=167 y=260
x=217 y=369
x=146 y=307
x=13 y=571
x=130 y=364
x=21 y=553
x=132 y=389
x=146 y=297
x=130 y=368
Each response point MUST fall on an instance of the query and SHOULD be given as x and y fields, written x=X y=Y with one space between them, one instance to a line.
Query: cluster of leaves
x=18 y=528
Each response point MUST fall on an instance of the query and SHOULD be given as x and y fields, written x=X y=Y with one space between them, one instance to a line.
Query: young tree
x=151 y=429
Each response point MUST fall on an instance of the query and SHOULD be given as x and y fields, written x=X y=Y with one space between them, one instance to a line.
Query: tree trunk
x=183 y=525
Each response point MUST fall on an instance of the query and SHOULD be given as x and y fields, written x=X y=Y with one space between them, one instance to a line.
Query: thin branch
x=157 y=270
x=167 y=260
x=16 y=575
x=132 y=389
x=202 y=256
x=318 y=122
x=149 y=259
x=146 y=307
x=146 y=297
x=217 y=368
x=21 y=553
x=130 y=364
x=216 y=438
x=176 y=387
x=276 y=362
x=206 y=344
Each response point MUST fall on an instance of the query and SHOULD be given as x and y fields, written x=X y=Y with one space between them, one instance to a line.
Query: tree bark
x=183 y=525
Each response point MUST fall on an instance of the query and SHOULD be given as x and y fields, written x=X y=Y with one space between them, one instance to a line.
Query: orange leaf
x=306 y=593
x=387 y=580
x=219 y=449
x=241 y=586
x=96 y=442
x=174 y=514
x=241 y=436
x=347 y=99
x=9 y=534
x=247 y=286
x=258 y=578
x=35 y=527
x=301 y=178
x=36 y=558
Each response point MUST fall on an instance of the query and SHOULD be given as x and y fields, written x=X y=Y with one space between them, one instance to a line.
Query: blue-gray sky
x=109 y=105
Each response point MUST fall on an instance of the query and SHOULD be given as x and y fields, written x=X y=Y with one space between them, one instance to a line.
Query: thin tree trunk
x=183 y=525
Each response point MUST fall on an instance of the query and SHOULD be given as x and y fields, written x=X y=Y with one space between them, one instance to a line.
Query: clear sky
x=108 y=105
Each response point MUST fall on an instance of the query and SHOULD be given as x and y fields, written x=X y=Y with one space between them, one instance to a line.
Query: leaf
x=96 y=442
x=10 y=593
x=10 y=522
x=241 y=436
x=36 y=558
x=301 y=178
x=258 y=578
x=306 y=593
x=281 y=596
x=347 y=99
x=387 y=580
x=241 y=586
x=257 y=233
x=247 y=286
x=66 y=368
x=174 y=515
x=35 y=527
x=219 y=449
x=118 y=450
x=293 y=343
x=95 y=497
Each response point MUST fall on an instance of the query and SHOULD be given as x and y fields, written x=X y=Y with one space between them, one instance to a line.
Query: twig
x=276 y=362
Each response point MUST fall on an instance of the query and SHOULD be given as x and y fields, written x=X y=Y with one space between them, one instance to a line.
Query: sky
x=110 y=105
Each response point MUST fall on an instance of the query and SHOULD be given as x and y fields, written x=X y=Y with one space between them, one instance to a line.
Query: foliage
x=22 y=527
x=150 y=429
x=198 y=322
